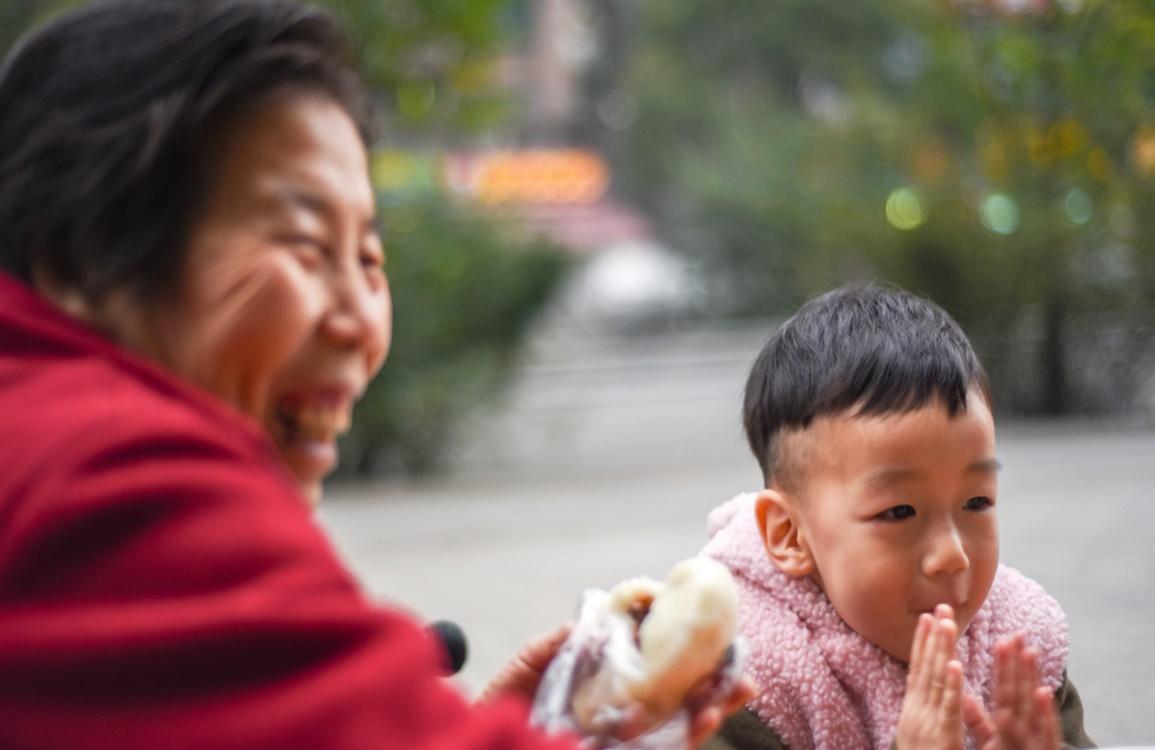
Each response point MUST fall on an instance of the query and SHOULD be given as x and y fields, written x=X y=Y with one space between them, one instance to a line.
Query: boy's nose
x=945 y=553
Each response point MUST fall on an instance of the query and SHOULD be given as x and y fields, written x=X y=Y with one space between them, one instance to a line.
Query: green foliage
x=464 y=293
x=431 y=61
x=771 y=137
x=16 y=16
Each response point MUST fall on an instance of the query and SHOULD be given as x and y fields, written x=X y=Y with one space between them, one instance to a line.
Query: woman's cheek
x=272 y=311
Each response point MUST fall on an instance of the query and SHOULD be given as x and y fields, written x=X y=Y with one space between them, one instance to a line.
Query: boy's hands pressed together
x=936 y=714
x=932 y=708
x=1025 y=717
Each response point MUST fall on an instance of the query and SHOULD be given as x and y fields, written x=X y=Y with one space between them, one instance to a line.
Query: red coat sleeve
x=163 y=589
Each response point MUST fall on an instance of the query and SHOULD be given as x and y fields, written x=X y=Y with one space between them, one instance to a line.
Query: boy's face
x=897 y=513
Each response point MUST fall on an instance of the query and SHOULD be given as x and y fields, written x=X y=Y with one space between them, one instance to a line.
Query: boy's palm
x=932 y=708
x=1025 y=717
x=936 y=714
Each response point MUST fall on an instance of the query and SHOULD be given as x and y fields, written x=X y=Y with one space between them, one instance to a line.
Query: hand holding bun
x=640 y=651
x=689 y=626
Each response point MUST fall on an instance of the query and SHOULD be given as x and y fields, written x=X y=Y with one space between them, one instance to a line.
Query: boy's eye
x=979 y=503
x=897 y=513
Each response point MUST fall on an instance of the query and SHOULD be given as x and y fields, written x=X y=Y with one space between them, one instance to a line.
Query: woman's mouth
x=309 y=421
x=306 y=433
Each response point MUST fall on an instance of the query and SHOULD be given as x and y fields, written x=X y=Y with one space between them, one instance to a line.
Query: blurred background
x=597 y=210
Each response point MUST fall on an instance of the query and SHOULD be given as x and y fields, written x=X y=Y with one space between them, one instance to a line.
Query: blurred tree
x=18 y=15
x=464 y=294
x=1002 y=164
x=434 y=62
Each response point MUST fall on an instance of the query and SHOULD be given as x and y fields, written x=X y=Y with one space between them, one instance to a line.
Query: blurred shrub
x=1002 y=164
x=465 y=290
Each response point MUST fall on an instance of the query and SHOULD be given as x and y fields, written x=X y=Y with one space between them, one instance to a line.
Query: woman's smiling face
x=283 y=308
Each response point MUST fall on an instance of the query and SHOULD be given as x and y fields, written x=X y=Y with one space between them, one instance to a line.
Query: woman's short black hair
x=106 y=114
x=864 y=349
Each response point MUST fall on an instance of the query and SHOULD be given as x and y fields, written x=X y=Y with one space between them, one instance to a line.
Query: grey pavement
x=605 y=459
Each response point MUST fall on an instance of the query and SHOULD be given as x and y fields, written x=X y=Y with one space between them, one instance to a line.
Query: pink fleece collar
x=825 y=686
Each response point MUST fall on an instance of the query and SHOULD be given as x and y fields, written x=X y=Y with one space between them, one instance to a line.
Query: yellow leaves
x=1009 y=146
x=1143 y=151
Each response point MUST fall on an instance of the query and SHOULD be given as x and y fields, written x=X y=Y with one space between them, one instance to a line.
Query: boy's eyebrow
x=985 y=466
x=890 y=475
x=896 y=474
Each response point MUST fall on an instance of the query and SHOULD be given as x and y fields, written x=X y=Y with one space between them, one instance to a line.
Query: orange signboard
x=532 y=176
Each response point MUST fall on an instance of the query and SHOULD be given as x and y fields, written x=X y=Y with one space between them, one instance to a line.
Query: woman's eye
x=306 y=246
x=373 y=261
x=979 y=503
x=897 y=513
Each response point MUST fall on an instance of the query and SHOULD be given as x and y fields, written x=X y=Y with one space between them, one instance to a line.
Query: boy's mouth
x=955 y=606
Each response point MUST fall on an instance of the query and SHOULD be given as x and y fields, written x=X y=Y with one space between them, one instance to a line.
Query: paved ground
x=592 y=473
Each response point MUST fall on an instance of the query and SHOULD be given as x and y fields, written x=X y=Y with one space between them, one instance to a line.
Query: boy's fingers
x=978 y=723
x=1049 y=732
x=943 y=652
x=1028 y=675
x=1004 y=675
x=915 y=678
x=952 y=692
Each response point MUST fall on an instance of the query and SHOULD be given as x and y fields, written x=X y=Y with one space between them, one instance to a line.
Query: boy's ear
x=779 y=527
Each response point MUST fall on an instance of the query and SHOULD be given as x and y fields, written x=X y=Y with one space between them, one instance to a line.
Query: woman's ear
x=779 y=526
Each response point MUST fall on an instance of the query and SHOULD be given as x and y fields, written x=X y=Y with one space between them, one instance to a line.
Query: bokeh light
x=904 y=209
x=1077 y=206
x=999 y=213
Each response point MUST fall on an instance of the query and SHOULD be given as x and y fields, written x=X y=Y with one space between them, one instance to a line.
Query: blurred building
x=548 y=172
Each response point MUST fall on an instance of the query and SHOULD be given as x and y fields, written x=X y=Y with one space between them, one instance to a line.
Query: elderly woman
x=192 y=297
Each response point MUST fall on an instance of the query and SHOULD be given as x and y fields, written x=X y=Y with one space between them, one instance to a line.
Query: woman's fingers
x=706 y=721
x=703 y=724
x=523 y=674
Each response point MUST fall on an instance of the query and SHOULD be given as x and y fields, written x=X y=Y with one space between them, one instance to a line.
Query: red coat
x=163 y=585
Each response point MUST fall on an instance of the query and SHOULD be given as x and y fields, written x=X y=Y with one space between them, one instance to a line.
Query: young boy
x=868 y=567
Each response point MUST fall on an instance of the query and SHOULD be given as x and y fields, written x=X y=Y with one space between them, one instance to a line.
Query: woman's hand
x=1025 y=717
x=932 y=708
x=706 y=720
x=523 y=674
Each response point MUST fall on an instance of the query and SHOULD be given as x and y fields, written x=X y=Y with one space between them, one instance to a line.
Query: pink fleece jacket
x=825 y=686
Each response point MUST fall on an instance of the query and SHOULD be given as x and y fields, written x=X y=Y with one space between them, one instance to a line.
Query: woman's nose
x=358 y=315
x=945 y=553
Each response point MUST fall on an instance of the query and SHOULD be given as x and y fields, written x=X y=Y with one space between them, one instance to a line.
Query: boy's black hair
x=867 y=348
x=106 y=115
